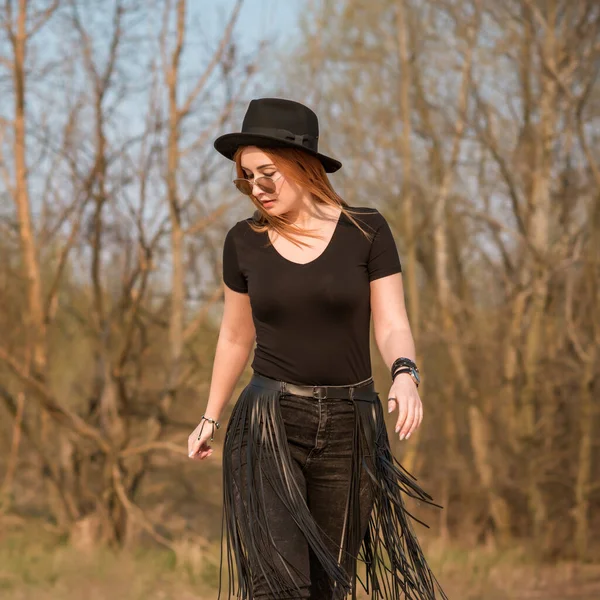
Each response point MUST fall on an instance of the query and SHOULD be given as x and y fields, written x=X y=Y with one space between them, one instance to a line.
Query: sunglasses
x=265 y=183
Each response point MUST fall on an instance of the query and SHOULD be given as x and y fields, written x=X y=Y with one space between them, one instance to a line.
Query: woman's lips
x=267 y=202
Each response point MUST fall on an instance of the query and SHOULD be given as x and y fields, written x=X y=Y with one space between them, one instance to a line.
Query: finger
x=196 y=440
x=412 y=425
x=391 y=404
x=402 y=412
x=204 y=454
x=196 y=445
x=418 y=418
x=201 y=449
x=410 y=414
x=418 y=413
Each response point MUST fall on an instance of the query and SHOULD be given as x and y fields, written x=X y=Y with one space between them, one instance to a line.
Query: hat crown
x=277 y=123
x=280 y=117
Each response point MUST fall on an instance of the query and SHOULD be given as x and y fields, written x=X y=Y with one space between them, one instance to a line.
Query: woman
x=310 y=484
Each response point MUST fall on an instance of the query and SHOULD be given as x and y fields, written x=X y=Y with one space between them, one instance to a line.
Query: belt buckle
x=320 y=392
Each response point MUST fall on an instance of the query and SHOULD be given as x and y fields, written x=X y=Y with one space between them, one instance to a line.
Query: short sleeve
x=383 y=256
x=233 y=276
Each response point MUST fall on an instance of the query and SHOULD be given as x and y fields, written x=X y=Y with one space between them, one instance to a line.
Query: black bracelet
x=405 y=370
x=398 y=371
x=401 y=370
x=403 y=361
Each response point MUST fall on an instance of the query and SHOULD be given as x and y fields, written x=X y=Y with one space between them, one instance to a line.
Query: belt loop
x=282 y=387
x=320 y=392
x=352 y=393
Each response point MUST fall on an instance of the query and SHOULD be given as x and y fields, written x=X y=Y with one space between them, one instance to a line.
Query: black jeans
x=320 y=440
x=311 y=488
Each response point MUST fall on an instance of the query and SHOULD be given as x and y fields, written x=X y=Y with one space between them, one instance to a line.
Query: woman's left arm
x=394 y=339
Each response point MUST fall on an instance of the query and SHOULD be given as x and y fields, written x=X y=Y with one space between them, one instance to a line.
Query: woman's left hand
x=404 y=395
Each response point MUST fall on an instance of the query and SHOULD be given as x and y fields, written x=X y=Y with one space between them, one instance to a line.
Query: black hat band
x=308 y=141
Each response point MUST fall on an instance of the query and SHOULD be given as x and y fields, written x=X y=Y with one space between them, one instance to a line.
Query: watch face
x=416 y=374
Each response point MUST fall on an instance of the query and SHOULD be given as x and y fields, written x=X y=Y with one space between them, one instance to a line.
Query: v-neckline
x=329 y=244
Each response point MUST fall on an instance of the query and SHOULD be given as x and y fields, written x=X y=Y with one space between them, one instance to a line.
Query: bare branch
x=58 y=412
x=135 y=512
x=41 y=18
x=217 y=57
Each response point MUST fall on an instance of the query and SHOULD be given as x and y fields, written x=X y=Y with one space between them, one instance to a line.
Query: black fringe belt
x=395 y=565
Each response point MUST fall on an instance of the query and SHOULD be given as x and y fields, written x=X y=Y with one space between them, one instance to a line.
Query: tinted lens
x=266 y=184
x=243 y=185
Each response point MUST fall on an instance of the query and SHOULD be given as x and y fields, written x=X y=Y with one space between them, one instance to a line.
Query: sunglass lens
x=243 y=185
x=266 y=184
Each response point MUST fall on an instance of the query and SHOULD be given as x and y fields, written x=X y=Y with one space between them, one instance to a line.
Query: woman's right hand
x=199 y=449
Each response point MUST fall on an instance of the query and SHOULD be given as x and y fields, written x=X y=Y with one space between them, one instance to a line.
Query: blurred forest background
x=473 y=125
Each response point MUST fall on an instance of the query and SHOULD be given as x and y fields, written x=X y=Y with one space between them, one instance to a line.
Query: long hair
x=307 y=171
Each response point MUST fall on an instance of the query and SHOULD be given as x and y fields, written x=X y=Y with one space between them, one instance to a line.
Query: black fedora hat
x=277 y=123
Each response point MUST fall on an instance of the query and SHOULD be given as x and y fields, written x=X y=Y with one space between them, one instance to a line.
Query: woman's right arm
x=237 y=336
x=236 y=341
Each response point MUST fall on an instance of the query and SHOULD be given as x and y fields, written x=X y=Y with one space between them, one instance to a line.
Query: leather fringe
x=395 y=565
x=256 y=441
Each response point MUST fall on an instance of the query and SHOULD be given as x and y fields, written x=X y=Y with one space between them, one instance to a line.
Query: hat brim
x=228 y=144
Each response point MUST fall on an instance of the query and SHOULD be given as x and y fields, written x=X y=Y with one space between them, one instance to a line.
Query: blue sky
x=275 y=20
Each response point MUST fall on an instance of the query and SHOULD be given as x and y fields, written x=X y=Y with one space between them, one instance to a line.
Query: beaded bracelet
x=214 y=424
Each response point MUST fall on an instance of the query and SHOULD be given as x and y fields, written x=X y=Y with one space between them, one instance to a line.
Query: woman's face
x=287 y=196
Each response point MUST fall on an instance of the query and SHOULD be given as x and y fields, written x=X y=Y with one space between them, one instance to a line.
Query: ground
x=35 y=564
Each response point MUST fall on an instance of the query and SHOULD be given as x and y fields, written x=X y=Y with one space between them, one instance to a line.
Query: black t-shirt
x=312 y=320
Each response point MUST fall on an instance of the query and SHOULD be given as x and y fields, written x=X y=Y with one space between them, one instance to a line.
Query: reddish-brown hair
x=307 y=171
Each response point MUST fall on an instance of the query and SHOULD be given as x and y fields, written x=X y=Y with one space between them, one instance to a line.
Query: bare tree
x=471 y=124
x=112 y=416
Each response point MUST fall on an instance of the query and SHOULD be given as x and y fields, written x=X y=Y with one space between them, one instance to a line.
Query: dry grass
x=37 y=564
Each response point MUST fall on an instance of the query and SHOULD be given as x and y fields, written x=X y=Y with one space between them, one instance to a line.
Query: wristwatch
x=412 y=371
